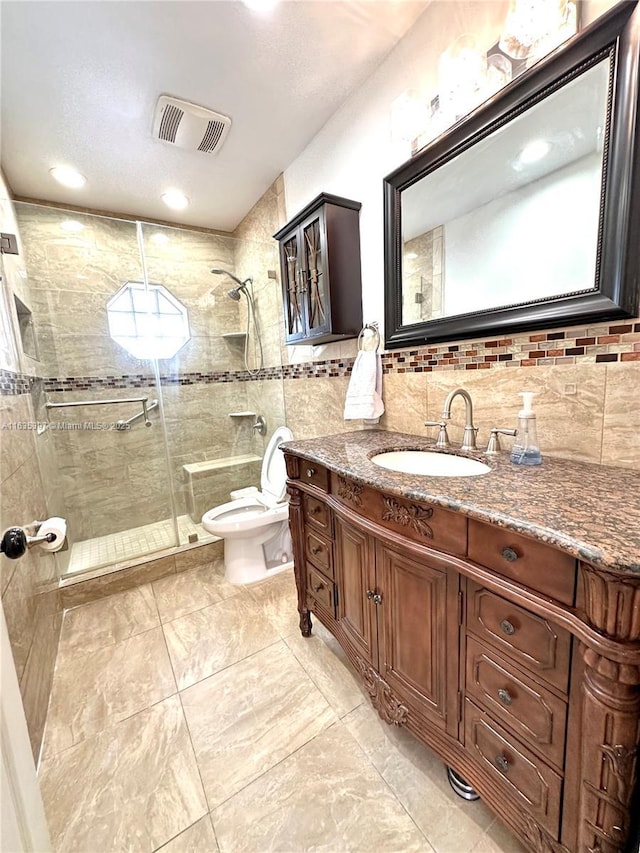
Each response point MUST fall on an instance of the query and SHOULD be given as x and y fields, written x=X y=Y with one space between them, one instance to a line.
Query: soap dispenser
x=525 y=450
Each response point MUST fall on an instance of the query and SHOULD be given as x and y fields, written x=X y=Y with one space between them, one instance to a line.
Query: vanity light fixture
x=175 y=199
x=68 y=177
x=534 y=151
x=72 y=225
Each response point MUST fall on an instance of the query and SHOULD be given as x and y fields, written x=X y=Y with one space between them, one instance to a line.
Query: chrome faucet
x=469 y=437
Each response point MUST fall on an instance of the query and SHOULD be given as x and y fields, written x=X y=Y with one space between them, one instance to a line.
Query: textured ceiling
x=80 y=81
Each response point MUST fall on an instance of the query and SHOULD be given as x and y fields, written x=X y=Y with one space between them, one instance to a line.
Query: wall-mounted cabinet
x=320 y=266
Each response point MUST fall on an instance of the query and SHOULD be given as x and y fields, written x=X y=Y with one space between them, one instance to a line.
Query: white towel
x=364 y=394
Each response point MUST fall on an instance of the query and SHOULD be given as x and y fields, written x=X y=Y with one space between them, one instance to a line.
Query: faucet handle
x=494 y=442
x=442 y=439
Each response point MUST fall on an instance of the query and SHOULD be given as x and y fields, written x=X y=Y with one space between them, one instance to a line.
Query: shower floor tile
x=132 y=543
x=279 y=733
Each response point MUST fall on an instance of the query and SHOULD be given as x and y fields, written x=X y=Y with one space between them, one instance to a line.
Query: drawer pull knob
x=502 y=763
x=504 y=696
x=509 y=554
x=318 y=587
x=507 y=627
x=311 y=472
x=314 y=510
x=316 y=549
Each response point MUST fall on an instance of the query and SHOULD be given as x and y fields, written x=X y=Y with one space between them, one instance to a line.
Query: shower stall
x=150 y=380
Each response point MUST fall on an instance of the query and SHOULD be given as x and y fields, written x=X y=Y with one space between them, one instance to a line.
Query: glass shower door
x=101 y=445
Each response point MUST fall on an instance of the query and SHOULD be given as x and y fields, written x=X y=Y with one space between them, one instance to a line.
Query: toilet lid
x=273 y=480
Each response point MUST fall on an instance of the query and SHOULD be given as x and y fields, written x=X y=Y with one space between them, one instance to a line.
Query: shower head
x=242 y=285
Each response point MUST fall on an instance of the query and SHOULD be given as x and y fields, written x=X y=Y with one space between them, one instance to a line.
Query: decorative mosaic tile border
x=619 y=342
x=591 y=345
x=14 y=384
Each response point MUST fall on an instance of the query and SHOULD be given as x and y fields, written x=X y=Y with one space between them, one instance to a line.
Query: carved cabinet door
x=418 y=633
x=356 y=581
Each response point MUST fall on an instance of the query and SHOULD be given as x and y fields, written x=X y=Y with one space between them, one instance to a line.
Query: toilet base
x=244 y=562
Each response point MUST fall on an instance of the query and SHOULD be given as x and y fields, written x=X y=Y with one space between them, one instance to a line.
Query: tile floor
x=132 y=543
x=190 y=716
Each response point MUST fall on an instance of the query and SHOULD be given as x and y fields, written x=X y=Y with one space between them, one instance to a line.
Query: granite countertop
x=591 y=511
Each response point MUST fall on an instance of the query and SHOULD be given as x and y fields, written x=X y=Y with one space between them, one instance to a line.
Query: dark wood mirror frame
x=615 y=34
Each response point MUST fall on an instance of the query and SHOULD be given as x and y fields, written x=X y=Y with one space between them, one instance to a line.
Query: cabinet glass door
x=293 y=287
x=317 y=300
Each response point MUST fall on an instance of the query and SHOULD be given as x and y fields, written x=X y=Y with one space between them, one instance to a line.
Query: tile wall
x=27 y=586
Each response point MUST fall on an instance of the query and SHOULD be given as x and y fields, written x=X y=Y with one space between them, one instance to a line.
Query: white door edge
x=23 y=826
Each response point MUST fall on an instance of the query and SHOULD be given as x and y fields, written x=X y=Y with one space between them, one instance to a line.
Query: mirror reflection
x=514 y=218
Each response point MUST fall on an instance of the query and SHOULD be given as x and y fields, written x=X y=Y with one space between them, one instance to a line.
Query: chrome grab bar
x=120 y=424
x=143 y=414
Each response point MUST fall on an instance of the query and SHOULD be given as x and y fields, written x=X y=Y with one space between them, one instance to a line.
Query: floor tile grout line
x=112 y=724
x=195 y=758
x=229 y=665
x=196 y=609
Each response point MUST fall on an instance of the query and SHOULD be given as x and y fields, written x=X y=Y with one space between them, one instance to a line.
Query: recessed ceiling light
x=71 y=225
x=175 y=199
x=534 y=151
x=68 y=177
x=411 y=256
x=159 y=238
x=260 y=5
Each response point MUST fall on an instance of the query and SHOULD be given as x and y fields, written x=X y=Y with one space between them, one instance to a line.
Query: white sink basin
x=430 y=464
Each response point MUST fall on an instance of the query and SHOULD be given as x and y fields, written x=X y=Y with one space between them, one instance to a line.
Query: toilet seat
x=241 y=515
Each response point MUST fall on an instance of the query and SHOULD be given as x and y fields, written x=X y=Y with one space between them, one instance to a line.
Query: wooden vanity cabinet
x=517 y=664
x=320 y=272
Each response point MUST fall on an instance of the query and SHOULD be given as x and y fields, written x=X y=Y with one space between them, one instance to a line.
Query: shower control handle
x=260 y=426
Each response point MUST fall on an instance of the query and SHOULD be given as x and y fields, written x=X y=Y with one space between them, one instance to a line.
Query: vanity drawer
x=524 y=777
x=531 y=563
x=531 y=640
x=319 y=551
x=320 y=590
x=317 y=513
x=533 y=713
x=311 y=472
x=421 y=522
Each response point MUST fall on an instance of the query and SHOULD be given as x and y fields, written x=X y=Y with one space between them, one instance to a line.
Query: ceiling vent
x=189 y=126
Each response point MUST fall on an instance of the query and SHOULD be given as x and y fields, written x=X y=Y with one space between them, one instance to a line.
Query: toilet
x=255 y=524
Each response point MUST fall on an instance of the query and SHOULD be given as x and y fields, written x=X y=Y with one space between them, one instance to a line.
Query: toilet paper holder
x=16 y=540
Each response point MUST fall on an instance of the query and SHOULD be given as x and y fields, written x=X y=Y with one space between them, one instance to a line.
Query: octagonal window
x=148 y=321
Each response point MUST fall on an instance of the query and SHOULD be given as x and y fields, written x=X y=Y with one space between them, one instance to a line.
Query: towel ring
x=374 y=328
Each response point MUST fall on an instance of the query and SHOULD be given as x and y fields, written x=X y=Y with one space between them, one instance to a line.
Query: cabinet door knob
x=504 y=696
x=502 y=763
x=318 y=587
x=314 y=510
x=370 y=594
x=507 y=627
x=316 y=549
x=510 y=555
x=311 y=472
x=377 y=598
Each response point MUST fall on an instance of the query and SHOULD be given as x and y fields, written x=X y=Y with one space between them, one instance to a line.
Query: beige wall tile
x=405 y=401
x=621 y=427
x=569 y=424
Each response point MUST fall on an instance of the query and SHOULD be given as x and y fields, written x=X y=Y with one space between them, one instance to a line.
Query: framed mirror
x=526 y=214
